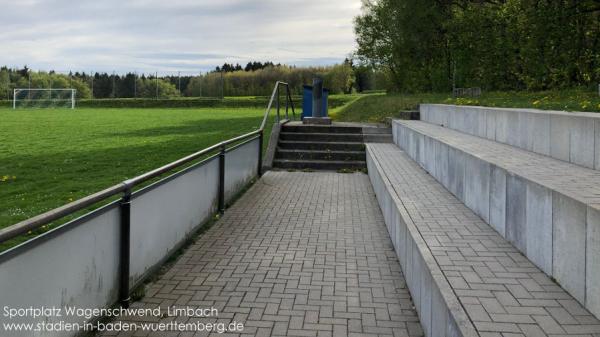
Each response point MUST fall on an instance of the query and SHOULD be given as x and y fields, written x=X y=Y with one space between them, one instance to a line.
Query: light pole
x=114 y=93
x=222 y=86
x=156 y=75
x=92 y=76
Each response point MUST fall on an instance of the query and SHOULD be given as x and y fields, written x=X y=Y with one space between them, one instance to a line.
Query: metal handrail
x=275 y=95
x=127 y=186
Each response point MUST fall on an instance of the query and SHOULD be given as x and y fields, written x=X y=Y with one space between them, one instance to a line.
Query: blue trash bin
x=307 y=110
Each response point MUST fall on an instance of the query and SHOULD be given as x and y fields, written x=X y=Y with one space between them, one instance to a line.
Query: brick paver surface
x=300 y=254
x=581 y=183
x=503 y=293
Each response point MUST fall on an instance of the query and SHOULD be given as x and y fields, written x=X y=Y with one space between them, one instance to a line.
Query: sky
x=168 y=36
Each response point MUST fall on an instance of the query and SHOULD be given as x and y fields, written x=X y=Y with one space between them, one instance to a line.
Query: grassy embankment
x=378 y=107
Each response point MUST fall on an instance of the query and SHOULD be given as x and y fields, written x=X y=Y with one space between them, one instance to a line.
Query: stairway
x=333 y=147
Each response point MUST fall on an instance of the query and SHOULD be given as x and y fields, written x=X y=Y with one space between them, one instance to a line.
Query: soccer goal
x=44 y=98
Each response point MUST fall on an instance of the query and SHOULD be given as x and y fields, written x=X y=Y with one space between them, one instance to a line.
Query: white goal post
x=44 y=98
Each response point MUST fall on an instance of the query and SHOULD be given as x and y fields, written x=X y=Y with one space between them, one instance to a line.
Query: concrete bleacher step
x=464 y=277
x=568 y=136
x=549 y=209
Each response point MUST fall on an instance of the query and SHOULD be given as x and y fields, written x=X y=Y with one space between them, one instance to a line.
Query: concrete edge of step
x=428 y=270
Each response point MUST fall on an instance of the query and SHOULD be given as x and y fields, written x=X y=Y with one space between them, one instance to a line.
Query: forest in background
x=435 y=45
x=255 y=79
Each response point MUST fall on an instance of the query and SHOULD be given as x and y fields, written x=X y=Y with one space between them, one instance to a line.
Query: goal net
x=44 y=98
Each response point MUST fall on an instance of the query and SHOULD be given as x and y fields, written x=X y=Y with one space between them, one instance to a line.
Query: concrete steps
x=324 y=146
x=312 y=164
x=340 y=146
x=323 y=129
x=321 y=137
x=320 y=147
x=548 y=209
x=378 y=138
x=321 y=155
x=465 y=278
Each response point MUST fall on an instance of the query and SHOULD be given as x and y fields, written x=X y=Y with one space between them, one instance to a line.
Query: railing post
x=287 y=104
x=278 y=105
x=289 y=95
x=260 y=152
x=124 y=254
x=222 y=180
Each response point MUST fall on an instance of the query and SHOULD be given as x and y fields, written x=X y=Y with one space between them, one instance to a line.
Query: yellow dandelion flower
x=585 y=104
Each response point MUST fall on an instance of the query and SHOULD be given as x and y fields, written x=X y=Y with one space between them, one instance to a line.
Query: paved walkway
x=300 y=254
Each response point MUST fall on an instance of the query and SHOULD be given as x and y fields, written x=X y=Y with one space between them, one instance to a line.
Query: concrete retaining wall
x=558 y=233
x=439 y=309
x=572 y=137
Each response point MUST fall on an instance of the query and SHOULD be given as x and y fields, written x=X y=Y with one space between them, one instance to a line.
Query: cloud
x=173 y=35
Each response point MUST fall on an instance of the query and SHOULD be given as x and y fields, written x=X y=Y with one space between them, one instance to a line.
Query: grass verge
x=378 y=107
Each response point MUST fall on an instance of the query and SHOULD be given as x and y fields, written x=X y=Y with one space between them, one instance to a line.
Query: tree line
x=251 y=66
x=435 y=45
x=255 y=79
x=98 y=85
x=339 y=79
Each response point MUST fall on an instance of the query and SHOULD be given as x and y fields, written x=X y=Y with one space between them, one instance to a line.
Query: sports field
x=49 y=157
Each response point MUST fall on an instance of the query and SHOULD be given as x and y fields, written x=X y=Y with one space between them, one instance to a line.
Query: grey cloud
x=158 y=35
x=184 y=56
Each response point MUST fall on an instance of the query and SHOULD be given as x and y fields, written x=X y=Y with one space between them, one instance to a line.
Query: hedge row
x=173 y=103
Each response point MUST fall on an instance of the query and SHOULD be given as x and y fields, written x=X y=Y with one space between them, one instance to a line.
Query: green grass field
x=51 y=157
